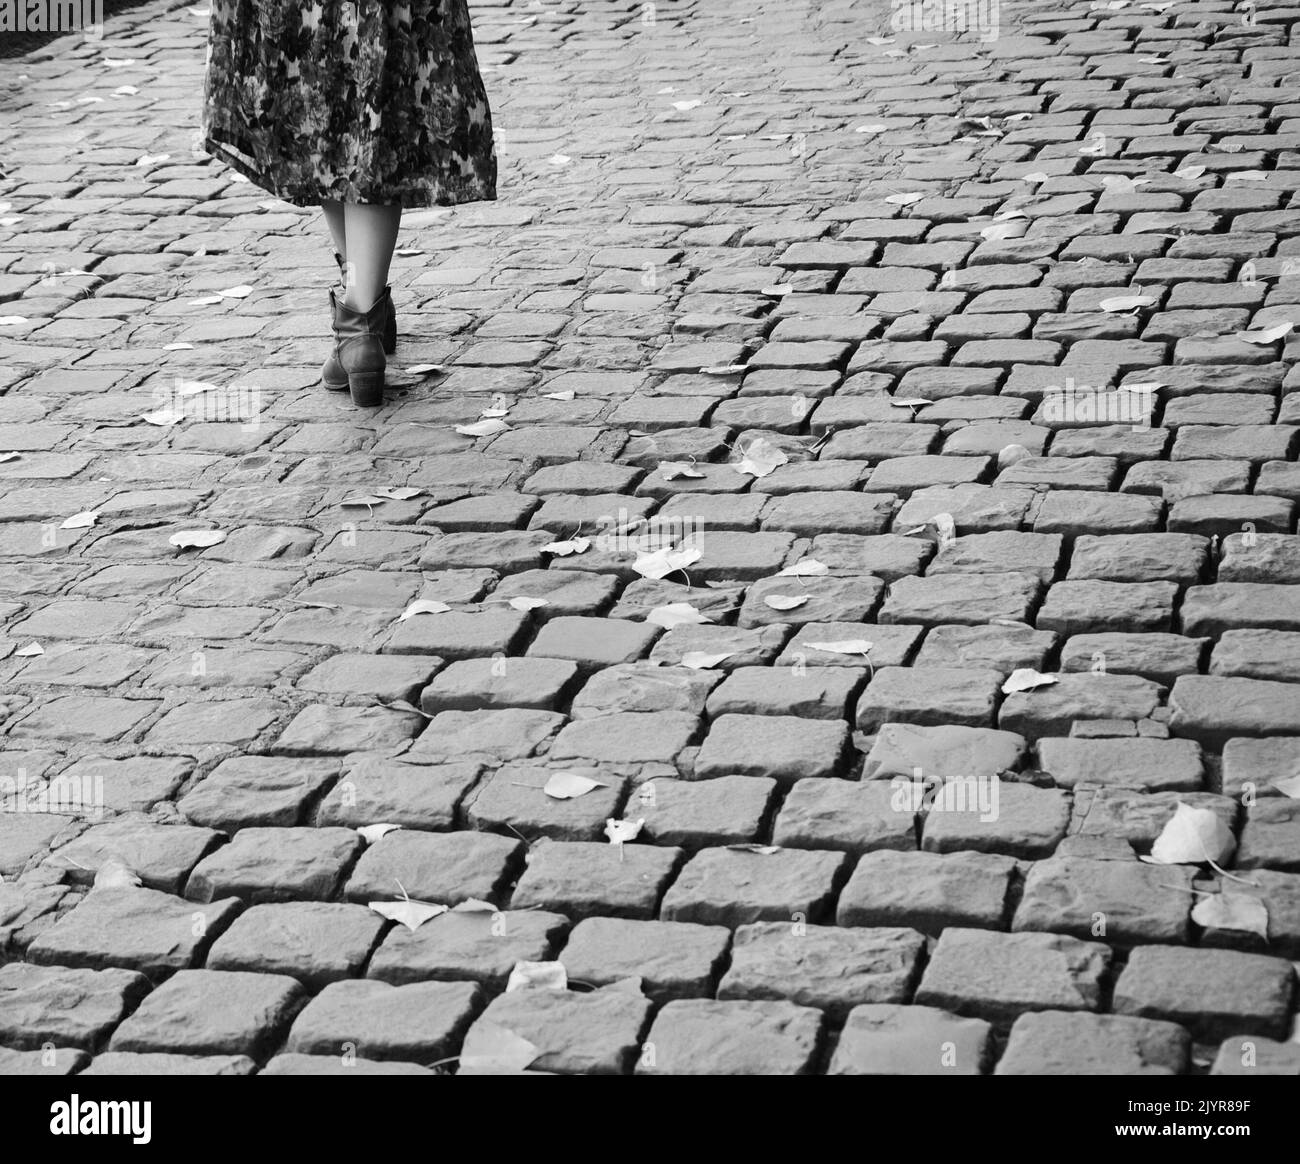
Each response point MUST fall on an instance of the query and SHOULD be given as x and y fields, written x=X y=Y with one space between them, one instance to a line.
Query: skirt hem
x=437 y=193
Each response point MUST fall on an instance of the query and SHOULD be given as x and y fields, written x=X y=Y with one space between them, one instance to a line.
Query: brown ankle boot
x=357 y=361
x=390 y=318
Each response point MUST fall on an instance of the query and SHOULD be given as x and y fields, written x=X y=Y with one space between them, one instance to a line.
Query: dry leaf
x=786 y=601
x=1010 y=454
x=750 y=847
x=372 y=833
x=399 y=492
x=1289 y=786
x=842 y=647
x=661 y=563
x=619 y=831
x=80 y=520
x=201 y=538
x=804 y=568
x=30 y=651
x=163 y=417
x=723 y=370
x=1265 y=335
x=903 y=199
x=760 y=459
x=704 y=660
x=671 y=470
x=676 y=614
x=564 y=549
x=546 y=975
x=1230 y=910
x=113 y=874
x=411 y=914
x=483 y=428
x=423 y=369
x=526 y=604
x=566 y=394
x=567 y=785
x=1026 y=679
x=1192 y=836
x=490 y=1049
x=1127 y=302
x=474 y=905
x=423 y=606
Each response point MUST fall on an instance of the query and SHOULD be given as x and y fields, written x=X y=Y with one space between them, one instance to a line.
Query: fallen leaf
x=474 y=905
x=1010 y=454
x=423 y=606
x=1230 y=910
x=490 y=1049
x=113 y=874
x=804 y=568
x=1026 y=679
x=909 y=402
x=903 y=199
x=372 y=833
x=1037 y=177
x=660 y=563
x=188 y=538
x=525 y=604
x=685 y=105
x=1189 y=173
x=559 y=159
x=750 y=847
x=875 y=127
x=619 y=831
x=1192 y=836
x=151 y=159
x=241 y=292
x=723 y=370
x=1265 y=335
x=567 y=394
x=80 y=520
x=567 y=785
x=30 y=651
x=676 y=614
x=423 y=369
x=164 y=417
x=841 y=647
x=411 y=914
x=545 y=975
x=760 y=459
x=177 y=347
x=786 y=601
x=1289 y=786
x=778 y=289
x=671 y=470
x=482 y=428
x=565 y=548
x=704 y=660
x=1127 y=302
x=399 y=492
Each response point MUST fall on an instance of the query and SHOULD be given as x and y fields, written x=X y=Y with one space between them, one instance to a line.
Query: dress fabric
x=370 y=101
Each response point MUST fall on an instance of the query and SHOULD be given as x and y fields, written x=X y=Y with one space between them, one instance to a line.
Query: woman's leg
x=371 y=234
x=334 y=219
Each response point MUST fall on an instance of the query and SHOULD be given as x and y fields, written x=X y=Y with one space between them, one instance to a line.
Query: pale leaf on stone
x=1192 y=836
x=1265 y=335
x=490 y=1049
x=805 y=568
x=423 y=606
x=704 y=660
x=564 y=548
x=619 y=831
x=671 y=470
x=482 y=428
x=539 y=975
x=786 y=601
x=30 y=651
x=676 y=614
x=202 y=538
x=660 y=563
x=567 y=785
x=842 y=646
x=525 y=604
x=373 y=832
x=1230 y=910
x=115 y=874
x=1026 y=679
x=83 y=520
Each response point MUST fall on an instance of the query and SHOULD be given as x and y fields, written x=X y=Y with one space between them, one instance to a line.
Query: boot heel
x=367 y=389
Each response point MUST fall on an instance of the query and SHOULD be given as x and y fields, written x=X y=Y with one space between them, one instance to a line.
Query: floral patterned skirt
x=376 y=101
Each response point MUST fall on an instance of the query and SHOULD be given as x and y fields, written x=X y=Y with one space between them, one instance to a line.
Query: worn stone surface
x=1065 y=1043
x=807 y=367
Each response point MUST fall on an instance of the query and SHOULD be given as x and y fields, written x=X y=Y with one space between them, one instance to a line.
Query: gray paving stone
x=75 y=1008
x=709 y=1037
x=206 y=1012
x=734 y=886
x=889 y=1039
x=276 y=864
x=827 y=967
x=444 y=868
x=1066 y=1043
x=316 y=942
x=672 y=959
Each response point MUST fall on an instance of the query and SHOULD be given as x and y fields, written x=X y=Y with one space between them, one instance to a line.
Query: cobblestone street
x=823 y=585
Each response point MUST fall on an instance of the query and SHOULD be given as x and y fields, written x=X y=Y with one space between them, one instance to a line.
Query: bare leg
x=334 y=219
x=371 y=234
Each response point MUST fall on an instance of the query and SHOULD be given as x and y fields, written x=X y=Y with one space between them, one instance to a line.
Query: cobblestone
x=694 y=250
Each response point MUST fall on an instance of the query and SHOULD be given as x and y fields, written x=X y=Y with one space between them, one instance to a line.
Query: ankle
x=357 y=302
